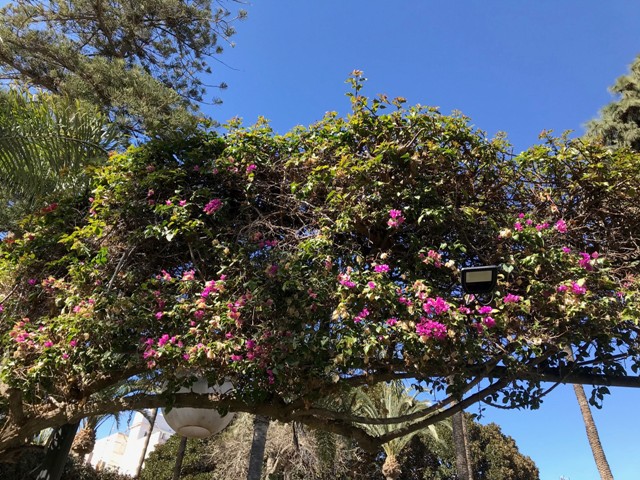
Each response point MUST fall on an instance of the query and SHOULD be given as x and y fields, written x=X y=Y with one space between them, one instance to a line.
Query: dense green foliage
x=301 y=454
x=619 y=122
x=295 y=265
x=196 y=465
x=27 y=469
x=494 y=456
x=139 y=61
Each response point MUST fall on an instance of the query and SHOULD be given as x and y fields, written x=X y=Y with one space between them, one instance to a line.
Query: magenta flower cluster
x=345 y=280
x=435 y=306
x=361 y=316
x=213 y=206
x=511 y=298
x=586 y=260
x=431 y=329
x=396 y=218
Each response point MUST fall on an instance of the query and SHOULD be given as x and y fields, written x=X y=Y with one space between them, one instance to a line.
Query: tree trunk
x=592 y=434
x=463 y=458
x=152 y=421
x=258 y=445
x=179 y=458
x=57 y=452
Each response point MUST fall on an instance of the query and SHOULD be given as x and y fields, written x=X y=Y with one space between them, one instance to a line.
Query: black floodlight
x=478 y=280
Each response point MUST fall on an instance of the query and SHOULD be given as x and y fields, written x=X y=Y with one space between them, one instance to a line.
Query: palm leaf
x=47 y=141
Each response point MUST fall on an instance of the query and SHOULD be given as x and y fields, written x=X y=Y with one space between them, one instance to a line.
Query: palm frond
x=47 y=141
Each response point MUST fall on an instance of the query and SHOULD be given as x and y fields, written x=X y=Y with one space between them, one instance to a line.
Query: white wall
x=122 y=451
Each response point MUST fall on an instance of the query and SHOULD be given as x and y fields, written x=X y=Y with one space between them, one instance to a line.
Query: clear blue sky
x=513 y=66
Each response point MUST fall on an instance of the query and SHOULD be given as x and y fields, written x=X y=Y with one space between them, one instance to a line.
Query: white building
x=122 y=451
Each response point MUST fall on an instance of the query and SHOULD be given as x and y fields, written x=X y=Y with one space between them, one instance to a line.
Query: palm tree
x=389 y=400
x=461 y=447
x=256 y=455
x=592 y=434
x=592 y=431
x=145 y=447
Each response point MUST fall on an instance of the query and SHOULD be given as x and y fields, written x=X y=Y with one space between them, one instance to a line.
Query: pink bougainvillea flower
x=361 y=316
x=1 y=308
x=578 y=289
x=396 y=218
x=595 y=255
x=464 y=310
x=529 y=221
x=381 y=268
x=345 y=280
x=517 y=226
x=182 y=203
x=150 y=352
x=561 y=226
x=562 y=288
x=73 y=343
x=436 y=306
x=159 y=315
x=32 y=281
x=485 y=310
x=371 y=285
x=511 y=298
x=405 y=301
x=198 y=314
x=489 y=322
x=213 y=206
x=168 y=202
x=585 y=261
x=542 y=226
x=189 y=275
x=392 y=321
x=250 y=344
x=163 y=340
x=431 y=329
x=251 y=168
x=236 y=358
x=566 y=250
x=521 y=215
x=48 y=343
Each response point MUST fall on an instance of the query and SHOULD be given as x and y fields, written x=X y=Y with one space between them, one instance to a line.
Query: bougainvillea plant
x=295 y=266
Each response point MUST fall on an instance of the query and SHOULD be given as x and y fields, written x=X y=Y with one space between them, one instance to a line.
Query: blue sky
x=513 y=66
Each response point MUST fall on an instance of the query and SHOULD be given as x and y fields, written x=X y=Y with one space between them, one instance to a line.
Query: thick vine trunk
x=463 y=458
x=592 y=434
x=258 y=445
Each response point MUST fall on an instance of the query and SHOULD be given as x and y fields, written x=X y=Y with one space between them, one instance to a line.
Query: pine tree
x=619 y=122
x=139 y=61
